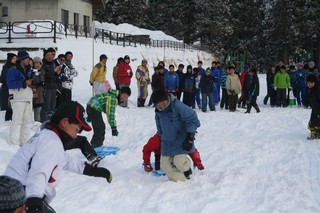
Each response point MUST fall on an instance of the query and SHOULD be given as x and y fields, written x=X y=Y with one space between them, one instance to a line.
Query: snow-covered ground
x=253 y=162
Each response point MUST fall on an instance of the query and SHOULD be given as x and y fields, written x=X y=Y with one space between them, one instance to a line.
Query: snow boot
x=188 y=173
x=257 y=109
x=142 y=102
x=195 y=157
x=139 y=102
x=265 y=100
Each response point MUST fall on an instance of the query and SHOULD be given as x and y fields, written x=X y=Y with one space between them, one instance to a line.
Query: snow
x=253 y=162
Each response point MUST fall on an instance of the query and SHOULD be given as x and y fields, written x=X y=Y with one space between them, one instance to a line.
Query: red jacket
x=153 y=145
x=124 y=73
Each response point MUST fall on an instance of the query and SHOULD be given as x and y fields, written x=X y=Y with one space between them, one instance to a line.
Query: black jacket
x=313 y=100
x=206 y=83
x=254 y=86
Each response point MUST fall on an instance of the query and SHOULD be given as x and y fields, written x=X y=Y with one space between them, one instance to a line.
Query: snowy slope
x=253 y=162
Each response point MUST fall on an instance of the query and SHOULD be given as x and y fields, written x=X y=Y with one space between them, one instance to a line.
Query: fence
x=56 y=30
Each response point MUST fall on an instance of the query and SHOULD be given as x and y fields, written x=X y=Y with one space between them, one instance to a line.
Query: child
x=281 y=83
x=253 y=91
x=154 y=145
x=313 y=99
x=188 y=87
x=107 y=103
x=207 y=89
x=39 y=162
x=233 y=89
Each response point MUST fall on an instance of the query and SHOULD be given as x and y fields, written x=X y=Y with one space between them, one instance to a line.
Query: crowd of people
x=43 y=88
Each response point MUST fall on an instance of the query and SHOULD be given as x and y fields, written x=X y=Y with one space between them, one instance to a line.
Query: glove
x=166 y=89
x=188 y=143
x=97 y=172
x=114 y=131
x=91 y=84
x=34 y=204
x=147 y=167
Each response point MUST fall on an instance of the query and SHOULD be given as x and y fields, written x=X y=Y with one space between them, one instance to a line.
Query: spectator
x=180 y=74
x=143 y=80
x=51 y=73
x=98 y=75
x=38 y=81
x=281 y=84
x=4 y=99
x=171 y=81
x=115 y=73
x=20 y=94
x=233 y=89
x=124 y=76
x=12 y=195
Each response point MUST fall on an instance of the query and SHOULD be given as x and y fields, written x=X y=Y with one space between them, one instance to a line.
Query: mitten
x=91 y=84
x=33 y=205
x=97 y=172
x=114 y=131
x=188 y=143
x=147 y=167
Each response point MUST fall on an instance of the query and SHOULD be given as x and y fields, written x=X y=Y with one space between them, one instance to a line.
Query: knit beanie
x=12 y=194
x=22 y=55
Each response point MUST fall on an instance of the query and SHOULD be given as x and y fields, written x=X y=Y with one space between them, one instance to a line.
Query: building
x=74 y=12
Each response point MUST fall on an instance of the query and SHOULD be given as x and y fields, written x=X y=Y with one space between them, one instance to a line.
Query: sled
x=158 y=173
x=103 y=151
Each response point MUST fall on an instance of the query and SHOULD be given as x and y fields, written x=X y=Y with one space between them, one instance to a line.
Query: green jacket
x=107 y=103
x=281 y=80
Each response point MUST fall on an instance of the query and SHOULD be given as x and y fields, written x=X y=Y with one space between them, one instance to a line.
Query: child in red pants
x=154 y=145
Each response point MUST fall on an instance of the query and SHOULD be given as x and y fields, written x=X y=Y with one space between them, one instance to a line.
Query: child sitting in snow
x=154 y=145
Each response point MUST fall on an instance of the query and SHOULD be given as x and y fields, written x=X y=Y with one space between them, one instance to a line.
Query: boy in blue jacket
x=176 y=125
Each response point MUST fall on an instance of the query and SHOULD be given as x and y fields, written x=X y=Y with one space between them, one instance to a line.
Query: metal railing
x=56 y=30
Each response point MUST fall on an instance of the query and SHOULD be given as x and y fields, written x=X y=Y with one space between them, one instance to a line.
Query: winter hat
x=12 y=194
x=311 y=78
x=246 y=67
x=37 y=59
x=73 y=111
x=208 y=70
x=299 y=65
x=144 y=61
x=22 y=55
x=10 y=56
x=103 y=56
x=51 y=50
x=311 y=64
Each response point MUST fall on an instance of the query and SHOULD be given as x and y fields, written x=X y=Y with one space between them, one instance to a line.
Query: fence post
x=110 y=37
x=76 y=30
x=117 y=38
x=9 y=32
x=54 y=32
x=102 y=34
x=124 y=40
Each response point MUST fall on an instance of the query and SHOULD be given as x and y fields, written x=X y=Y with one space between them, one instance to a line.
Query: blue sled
x=103 y=151
x=158 y=173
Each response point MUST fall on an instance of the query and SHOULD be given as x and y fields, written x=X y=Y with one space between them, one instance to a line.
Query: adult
x=40 y=162
x=124 y=76
x=176 y=126
x=39 y=84
x=10 y=62
x=98 y=75
x=50 y=72
x=143 y=80
x=20 y=95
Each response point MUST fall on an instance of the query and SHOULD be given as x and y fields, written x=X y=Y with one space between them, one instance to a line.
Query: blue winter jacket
x=16 y=78
x=223 y=80
x=300 y=74
x=171 y=81
x=173 y=123
x=202 y=71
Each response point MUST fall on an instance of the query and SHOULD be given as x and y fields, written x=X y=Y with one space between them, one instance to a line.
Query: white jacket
x=38 y=164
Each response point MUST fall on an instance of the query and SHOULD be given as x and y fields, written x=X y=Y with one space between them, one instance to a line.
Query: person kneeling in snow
x=38 y=164
x=154 y=145
x=176 y=124
x=105 y=102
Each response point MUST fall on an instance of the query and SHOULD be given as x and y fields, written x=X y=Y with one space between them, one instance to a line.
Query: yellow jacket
x=142 y=76
x=98 y=73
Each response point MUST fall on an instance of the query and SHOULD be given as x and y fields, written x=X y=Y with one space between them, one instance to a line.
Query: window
x=76 y=18
x=86 y=23
x=64 y=16
x=4 y=11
